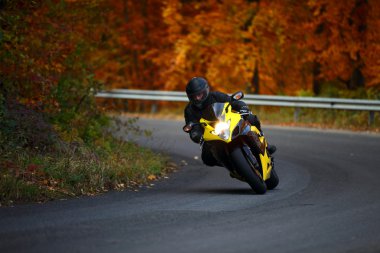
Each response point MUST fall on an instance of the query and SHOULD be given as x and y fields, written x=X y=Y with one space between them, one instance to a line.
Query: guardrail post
x=126 y=106
x=371 y=118
x=154 y=108
x=296 y=114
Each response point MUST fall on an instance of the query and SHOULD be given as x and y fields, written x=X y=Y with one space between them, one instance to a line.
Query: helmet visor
x=199 y=97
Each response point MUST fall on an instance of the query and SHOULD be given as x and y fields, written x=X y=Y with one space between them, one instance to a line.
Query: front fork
x=252 y=161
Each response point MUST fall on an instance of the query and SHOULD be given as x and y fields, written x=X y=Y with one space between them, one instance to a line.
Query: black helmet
x=197 y=91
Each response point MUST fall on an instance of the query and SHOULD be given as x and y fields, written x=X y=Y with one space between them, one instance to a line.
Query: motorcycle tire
x=273 y=181
x=244 y=169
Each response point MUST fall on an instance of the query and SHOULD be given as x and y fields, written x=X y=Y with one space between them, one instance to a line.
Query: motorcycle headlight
x=222 y=129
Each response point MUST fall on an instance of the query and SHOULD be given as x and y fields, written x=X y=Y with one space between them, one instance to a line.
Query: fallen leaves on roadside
x=152 y=177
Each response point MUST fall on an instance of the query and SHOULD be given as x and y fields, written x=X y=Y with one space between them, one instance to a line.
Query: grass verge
x=40 y=161
x=30 y=175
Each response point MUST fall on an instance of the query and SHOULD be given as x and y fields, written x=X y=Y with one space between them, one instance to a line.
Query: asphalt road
x=327 y=201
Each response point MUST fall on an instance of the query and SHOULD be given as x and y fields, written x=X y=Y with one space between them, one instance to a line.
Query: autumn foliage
x=267 y=47
x=262 y=46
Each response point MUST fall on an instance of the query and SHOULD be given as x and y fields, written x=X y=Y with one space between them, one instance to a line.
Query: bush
x=39 y=162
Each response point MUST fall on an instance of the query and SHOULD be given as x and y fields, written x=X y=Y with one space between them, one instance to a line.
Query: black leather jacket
x=193 y=114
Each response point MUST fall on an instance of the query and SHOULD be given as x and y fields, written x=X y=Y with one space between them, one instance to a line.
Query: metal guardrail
x=175 y=96
x=371 y=106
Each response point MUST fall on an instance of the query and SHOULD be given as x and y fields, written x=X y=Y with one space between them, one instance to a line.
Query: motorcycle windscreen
x=214 y=112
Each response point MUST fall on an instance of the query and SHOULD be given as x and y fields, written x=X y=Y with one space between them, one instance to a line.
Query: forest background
x=56 y=54
x=263 y=47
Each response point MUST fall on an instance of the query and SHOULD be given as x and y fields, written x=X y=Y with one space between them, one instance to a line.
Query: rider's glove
x=244 y=110
x=196 y=134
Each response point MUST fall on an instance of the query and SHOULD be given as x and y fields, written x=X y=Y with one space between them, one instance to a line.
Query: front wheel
x=272 y=182
x=245 y=170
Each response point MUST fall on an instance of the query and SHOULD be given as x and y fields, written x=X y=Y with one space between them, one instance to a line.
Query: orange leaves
x=211 y=42
x=151 y=177
x=31 y=172
x=161 y=44
x=32 y=168
x=132 y=30
x=40 y=39
x=337 y=38
x=172 y=17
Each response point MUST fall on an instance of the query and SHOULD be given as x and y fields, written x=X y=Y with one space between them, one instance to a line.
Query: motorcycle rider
x=200 y=96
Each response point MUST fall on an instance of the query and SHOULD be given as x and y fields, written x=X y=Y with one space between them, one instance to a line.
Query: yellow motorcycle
x=238 y=145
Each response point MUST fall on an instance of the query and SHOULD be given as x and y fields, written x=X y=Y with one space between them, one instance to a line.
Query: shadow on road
x=235 y=191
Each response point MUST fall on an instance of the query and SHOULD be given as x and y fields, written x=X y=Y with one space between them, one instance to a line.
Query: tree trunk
x=316 y=80
x=356 y=80
x=256 y=79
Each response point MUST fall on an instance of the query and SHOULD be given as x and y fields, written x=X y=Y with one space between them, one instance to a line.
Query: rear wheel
x=272 y=182
x=245 y=170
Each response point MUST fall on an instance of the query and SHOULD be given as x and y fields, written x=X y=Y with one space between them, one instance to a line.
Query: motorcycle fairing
x=261 y=144
x=215 y=113
x=237 y=127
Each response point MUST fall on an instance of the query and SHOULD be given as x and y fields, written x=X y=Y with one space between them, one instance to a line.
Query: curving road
x=328 y=200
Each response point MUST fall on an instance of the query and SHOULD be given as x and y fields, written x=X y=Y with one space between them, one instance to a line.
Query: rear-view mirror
x=238 y=95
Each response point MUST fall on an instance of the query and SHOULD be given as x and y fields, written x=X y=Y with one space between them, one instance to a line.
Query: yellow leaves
x=181 y=49
x=58 y=67
x=123 y=41
x=152 y=177
x=70 y=136
x=120 y=186
x=171 y=13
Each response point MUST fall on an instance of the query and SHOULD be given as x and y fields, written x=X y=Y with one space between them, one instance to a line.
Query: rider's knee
x=254 y=120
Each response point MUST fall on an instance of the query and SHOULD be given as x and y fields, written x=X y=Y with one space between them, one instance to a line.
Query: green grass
x=44 y=157
x=29 y=175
